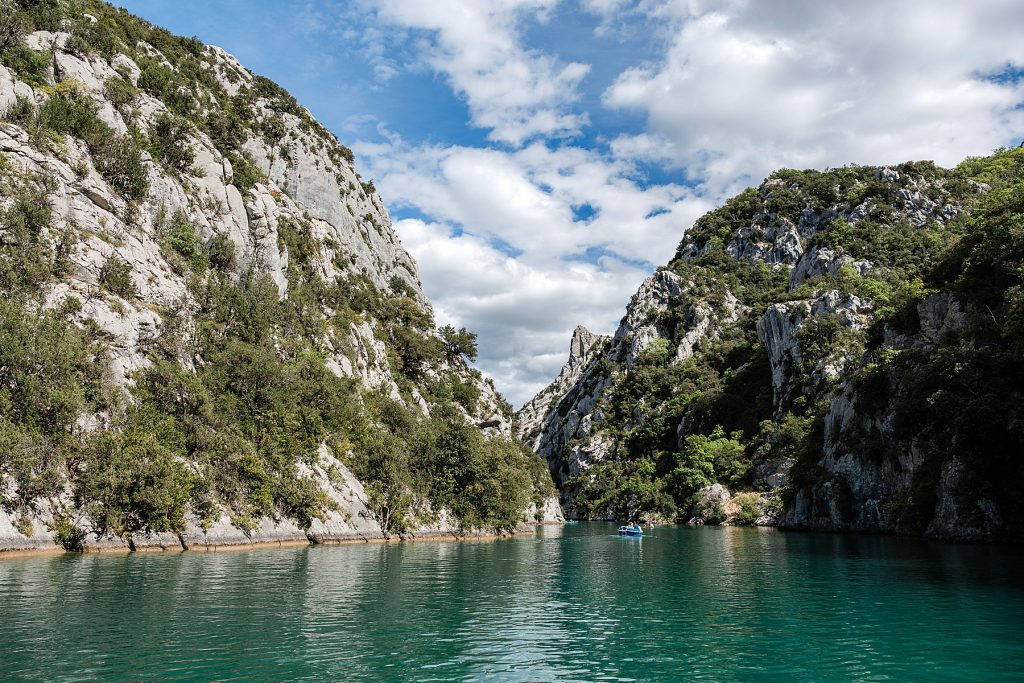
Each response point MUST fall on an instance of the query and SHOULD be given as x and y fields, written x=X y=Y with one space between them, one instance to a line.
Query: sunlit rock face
x=280 y=173
x=785 y=293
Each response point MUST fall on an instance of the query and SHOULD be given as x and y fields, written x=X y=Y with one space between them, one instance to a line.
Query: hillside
x=841 y=350
x=209 y=331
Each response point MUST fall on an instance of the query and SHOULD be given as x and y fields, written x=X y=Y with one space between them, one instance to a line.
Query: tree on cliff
x=458 y=343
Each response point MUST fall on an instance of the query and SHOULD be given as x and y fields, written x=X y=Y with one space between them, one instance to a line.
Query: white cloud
x=747 y=87
x=557 y=227
x=525 y=270
x=526 y=198
x=523 y=243
x=524 y=315
x=516 y=92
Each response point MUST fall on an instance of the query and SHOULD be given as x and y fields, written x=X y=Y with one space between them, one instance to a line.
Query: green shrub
x=41 y=364
x=181 y=239
x=169 y=143
x=625 y=490
x=731 y=462
x=49 y=375
x=29 y=257
x=835 y=235
x=694 y=469
x=23 y=112
x=119 y=161
x=117 y=157
x=69 y=110
x=133 y=483
x=465 y=394
x=245 y=174
x=273 y=129
x=98 y=37
x=228 y=126
x=277 y=97
x=221 y=252
x=31 y=66
x=69 y=535
x=42 y=15
x=120 y=92
x=116 y=277
x=154 y=77
x=751 y=509
x=13 y=26
x=705 y=459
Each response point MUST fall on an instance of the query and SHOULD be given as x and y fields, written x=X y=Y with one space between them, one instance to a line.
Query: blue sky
x=541 y=157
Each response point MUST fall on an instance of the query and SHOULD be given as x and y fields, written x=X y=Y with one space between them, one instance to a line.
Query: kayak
x=630 y=531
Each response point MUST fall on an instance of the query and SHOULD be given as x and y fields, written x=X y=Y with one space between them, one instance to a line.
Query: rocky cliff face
x=764 y=357
x=174 y=187
x=563 y=422
x=112 y=226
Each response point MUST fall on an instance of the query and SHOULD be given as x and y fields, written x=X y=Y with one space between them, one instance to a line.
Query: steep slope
x=841 y=346
x=209 y=331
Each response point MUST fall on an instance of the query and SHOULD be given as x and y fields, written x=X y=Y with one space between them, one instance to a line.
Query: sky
x=539 y=158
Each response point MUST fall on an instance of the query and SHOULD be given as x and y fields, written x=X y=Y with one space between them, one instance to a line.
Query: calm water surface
x=569 y=604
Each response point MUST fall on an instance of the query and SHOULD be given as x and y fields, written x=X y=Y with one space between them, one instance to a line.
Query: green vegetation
x=458 y=344
x=442 y=460
x=964 y=398
x=116 y=277
x=31 y=66
x=237 y=400
x=117 y=157
x=169 y=144
x=183 y=247
x=120 y=93
x=245 y=174
x=679 y=426
x=666 y=484
x=32 y=249
x=48 y=374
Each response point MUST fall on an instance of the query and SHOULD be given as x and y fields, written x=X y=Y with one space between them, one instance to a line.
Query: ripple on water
x=571 y=604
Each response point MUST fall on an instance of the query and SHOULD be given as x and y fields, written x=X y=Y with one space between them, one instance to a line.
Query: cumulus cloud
x=547 y=204
x=522 y=240
x=746 y=87
x=524 y=315
x=525 y=245
x=516 y=92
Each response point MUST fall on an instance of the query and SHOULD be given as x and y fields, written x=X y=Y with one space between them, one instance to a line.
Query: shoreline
x=426 y=535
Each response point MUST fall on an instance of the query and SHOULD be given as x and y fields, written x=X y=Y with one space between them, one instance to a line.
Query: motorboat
x=631 y=530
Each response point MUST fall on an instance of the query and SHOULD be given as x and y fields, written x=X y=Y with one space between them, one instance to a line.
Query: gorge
x=212 y=338
x=212 y=335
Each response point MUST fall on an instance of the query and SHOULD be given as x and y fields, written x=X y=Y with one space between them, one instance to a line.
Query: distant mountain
x=209 y=331
x=842 y=350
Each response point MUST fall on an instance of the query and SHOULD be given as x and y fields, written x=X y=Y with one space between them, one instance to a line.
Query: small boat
x=631 y=530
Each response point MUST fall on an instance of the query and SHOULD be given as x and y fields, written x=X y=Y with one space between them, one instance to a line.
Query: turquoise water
x=572 y=603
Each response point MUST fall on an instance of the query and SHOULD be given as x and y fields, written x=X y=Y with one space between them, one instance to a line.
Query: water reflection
x=571 y=603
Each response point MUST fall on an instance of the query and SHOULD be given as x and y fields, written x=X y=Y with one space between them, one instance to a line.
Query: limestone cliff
x=188 y=217
x=784 y=351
